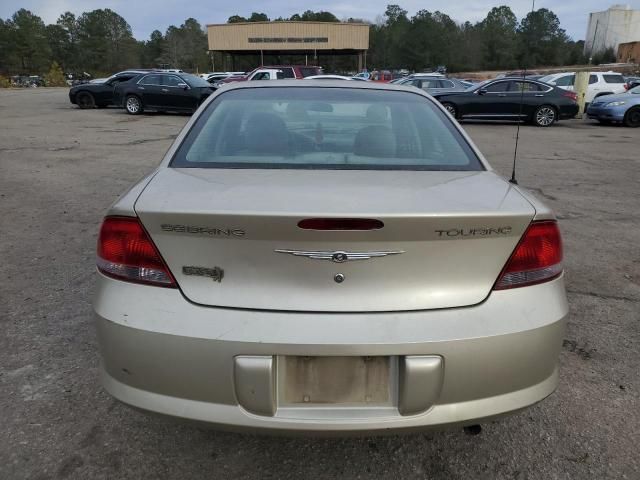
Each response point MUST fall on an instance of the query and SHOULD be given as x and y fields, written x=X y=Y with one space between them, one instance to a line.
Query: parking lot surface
x=61 y=167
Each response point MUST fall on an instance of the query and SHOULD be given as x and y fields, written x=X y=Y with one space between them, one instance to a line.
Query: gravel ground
x=61 y=167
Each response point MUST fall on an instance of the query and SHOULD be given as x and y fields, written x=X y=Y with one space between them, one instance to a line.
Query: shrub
x=55 y=77
x=604 y=56
x=4 y=82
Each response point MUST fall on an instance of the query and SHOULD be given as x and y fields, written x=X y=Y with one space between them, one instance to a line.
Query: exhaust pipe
x=472 y=429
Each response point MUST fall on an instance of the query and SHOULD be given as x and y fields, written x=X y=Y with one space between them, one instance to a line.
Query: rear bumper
x=164 y=354
x=568 y=112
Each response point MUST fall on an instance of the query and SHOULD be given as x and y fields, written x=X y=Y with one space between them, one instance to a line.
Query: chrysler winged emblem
x=340 y=256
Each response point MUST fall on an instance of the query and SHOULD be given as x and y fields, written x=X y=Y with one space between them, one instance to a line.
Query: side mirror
x=482 y=91
x=184 y=86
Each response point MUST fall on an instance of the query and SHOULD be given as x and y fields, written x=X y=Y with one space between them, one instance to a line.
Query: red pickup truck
x=288 y=71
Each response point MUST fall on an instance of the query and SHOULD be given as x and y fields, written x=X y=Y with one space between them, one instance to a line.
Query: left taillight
x=126 y=252
x=536 y=259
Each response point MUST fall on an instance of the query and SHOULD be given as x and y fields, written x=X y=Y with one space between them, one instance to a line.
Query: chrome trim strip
x=339 y=256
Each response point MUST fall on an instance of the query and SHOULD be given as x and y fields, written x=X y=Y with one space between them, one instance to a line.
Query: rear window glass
x=566 y=81
x=287 y=72
x=172 y=81
x=524 y=86
x=324 y=128
x=151 y=80
x=194 y=80
x=613 y=78
x=498 y=87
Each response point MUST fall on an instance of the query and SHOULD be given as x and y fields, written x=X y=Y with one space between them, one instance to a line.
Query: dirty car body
x=328 y=257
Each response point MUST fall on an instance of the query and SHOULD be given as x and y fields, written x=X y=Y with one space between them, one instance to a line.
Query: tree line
x=101 y=42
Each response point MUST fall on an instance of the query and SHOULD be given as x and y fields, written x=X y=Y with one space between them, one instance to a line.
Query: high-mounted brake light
x=340 y=224
x=126 y=252
x=536 y=259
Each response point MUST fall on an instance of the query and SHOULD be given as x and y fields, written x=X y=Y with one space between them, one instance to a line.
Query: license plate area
x=306 y=382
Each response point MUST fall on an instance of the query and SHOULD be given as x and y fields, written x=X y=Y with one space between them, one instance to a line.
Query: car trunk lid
x=231 y=237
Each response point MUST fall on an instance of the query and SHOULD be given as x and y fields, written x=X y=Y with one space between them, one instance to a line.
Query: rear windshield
x=324 y=128
x=195 y=81
x=287 y=73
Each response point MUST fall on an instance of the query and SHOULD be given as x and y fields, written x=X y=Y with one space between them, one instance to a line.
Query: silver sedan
x=328 y=256
x=434 y=84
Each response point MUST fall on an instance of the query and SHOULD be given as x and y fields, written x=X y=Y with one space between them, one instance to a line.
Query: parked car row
x=600 y=83
x=140 y=90
x=275 y=72
x=541 y=100
x=518 y=98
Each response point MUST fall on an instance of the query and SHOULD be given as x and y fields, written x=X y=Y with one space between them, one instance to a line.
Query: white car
x=267 y=74
x=600 y=83
x=218 y=75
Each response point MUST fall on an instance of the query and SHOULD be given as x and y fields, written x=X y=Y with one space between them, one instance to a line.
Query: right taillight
x=572 y=95
x=536 y=259
x=126 y=252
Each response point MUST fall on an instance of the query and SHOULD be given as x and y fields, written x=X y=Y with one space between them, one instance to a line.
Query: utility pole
x=580 y=85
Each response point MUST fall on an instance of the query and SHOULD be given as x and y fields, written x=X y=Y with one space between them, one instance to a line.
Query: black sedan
x=99 y=94
x=163 y=91
x=514 y=99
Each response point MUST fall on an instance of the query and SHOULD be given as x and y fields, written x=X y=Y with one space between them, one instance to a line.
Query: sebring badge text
x=474 y=232
x=211 y=231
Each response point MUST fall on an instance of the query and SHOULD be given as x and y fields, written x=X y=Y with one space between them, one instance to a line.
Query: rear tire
x=133 y=105
x=85 y=100
x=632 y=117
x=451 y=108
x=544 y=116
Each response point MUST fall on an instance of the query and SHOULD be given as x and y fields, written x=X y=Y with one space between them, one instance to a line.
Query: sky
x=144 y=16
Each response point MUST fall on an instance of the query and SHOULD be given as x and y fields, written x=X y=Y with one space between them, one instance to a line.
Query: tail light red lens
x=126 y=252
x=572 y=95
x=536 y=259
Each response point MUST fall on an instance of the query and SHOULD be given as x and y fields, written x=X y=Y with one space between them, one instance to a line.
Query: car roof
x=328 y=76
x=327 y=83
x=288 y=66
x=433 y=74
x=519 y=78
